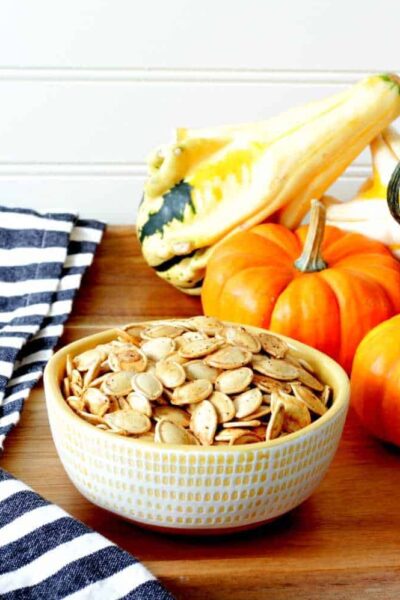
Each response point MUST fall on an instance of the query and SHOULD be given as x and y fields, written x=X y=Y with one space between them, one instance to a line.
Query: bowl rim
x=55 y=396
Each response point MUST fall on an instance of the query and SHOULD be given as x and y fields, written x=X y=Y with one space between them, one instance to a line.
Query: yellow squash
x=212 y=183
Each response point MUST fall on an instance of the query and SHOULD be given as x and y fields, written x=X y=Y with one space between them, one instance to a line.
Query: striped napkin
x=45 y=553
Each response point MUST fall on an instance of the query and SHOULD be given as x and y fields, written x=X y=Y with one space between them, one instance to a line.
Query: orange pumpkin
x=375 y=381
x=341 y=285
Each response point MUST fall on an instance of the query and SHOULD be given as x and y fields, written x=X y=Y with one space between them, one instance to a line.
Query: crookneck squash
x=325 y=288
x=211 y=183
x=368 y=212
x=375 y=381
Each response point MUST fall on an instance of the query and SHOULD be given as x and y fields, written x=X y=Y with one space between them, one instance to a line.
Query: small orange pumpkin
x=342 y=285
x=375 y=381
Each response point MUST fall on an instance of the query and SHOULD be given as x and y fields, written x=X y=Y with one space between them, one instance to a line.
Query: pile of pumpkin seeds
x=195 y=381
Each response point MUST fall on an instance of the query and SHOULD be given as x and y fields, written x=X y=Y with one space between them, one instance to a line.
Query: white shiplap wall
x=88 y=87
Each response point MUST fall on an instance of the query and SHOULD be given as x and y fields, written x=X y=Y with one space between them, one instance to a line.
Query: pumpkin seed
x=134 y=332
x=249 y=423
x=140 y=403
x=297 y=414
x=171 y=374
x=117 y=384
x=172 y=413
x=269 y=385
x=198 y=348
x=97 y=402
x=76 y=402
x=192 y=392
x=92 y=419
x=273 y=345
x=130 y=421
x=239 y=336
x=223 y=405
x=247 y=402
x=66 y=387
x=69 y=365
x=312 y=402
x=197 y=369
x=230 y=357
x=309 y=380
x=234 y=381
x=204 y=422
x=123 y=404
x=176 y=357
x=84 y=361
x=162 y=330
x=158 y=348
x=148 y=385
x=168 y=432
x=275 y=367
x=127 y=358
x=208 y=325
x=275 y=424
x=228 y=435
x=245 y=438
x=190 y=336
x=259 y=414
x=326 y=394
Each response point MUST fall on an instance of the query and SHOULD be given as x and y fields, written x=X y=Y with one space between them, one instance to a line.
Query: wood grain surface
x=341 y=544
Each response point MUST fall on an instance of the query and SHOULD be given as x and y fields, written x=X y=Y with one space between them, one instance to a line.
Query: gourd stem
x=311 y=259
x=393 y=194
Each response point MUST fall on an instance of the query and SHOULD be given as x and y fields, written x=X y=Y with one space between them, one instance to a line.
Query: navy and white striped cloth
x=42 y=260
x=45 y=553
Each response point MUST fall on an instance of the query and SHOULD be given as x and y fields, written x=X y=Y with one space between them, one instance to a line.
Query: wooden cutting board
x=342 y=543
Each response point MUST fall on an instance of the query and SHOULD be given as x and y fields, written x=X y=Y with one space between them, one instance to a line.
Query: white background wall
x=88 y=87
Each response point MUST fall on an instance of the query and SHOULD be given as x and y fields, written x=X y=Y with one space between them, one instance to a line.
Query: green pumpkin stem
x=311 y=259
x=393 y=194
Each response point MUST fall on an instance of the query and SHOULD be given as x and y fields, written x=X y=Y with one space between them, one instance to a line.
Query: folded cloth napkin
x=45 y=553
x=42 y=260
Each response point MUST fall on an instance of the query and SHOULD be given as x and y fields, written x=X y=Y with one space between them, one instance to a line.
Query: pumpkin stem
x=393 y=194
x=311 y=259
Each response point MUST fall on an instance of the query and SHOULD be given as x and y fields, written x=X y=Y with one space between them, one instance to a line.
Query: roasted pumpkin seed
x=171 y=374
x=130 y=421
x=223 y=405
x=275 y=367
x=197 y=369
x=275 y=424
x=148 y=385
x=168 y=432
x=204 y=422
x=162 y=330
x=273 y=345
x=234 y=381
x=172 y=413
x=97 y=402
x=158 y=348
x=138 y=402
x=239 y=336
x=312 y=402
x=192 y=392
x=247 y=402
x=198 y=348
x=230 y=357
x=117 y=384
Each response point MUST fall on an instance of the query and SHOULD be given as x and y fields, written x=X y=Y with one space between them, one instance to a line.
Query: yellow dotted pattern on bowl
x=188 y=488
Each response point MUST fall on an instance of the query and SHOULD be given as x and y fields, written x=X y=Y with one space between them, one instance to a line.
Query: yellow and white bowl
x=194 y=488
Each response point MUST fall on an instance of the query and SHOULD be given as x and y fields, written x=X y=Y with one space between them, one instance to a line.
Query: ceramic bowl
x=194 y=488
